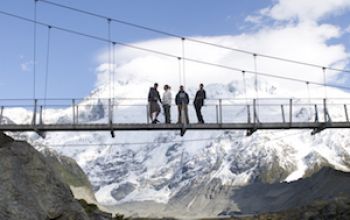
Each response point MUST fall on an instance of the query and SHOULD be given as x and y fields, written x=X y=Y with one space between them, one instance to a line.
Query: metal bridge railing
x=219 y=111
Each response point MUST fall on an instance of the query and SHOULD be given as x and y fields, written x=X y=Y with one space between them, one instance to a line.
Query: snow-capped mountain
x=164 y=168
x=161 y=164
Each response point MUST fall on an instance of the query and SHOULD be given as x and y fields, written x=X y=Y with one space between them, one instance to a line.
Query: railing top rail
x=144 y=98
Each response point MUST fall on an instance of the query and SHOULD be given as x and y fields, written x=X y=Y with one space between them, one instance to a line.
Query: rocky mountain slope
x=31 y=188
x=327 y=184
x=257 y=199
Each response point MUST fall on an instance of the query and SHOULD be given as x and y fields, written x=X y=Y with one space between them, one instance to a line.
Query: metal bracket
x=183 y=130
x=250 y=132
x=327 y=119
x=40 y=133
x=112 y=133
x=255 y=120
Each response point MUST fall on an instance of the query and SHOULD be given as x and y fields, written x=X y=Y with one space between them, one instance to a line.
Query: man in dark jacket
x=154 y=107
x=182 y=100
x=199 y=102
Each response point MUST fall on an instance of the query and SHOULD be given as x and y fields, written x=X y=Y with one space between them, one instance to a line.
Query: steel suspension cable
x=47 y=63
x=170 y=55
x=191 y=39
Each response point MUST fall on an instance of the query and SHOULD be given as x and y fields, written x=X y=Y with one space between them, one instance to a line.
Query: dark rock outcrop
x=70 y=173
x=31 y=189
x=325 y=185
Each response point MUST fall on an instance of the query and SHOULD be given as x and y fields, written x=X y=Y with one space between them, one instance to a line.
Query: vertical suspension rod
x=245 y=87
x=34 y=48
x=324 y=81
x=180 y=77
x=113 y=72
x=47 y=63
x=109 y=56
x=183 y=61
x=255 y=56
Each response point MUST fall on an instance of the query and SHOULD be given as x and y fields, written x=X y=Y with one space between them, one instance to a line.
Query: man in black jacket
x=182 y=100
x=199 y=102
x=154 y=107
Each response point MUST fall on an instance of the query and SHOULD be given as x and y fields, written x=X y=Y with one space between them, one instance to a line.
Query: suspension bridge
x=132 y=115
x=249 y=114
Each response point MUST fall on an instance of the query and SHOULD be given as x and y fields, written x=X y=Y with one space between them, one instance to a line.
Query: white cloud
x=306 y=10
x=26 y=66
x=255 y=19
x=305 y=42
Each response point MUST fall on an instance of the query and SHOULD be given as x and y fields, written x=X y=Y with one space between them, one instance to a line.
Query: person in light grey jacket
x=166 y=101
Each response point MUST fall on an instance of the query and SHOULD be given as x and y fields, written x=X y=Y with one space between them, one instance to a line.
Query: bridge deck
x=144 y=126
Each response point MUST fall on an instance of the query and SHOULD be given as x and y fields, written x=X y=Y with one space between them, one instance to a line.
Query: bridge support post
x=316 y=114
x=1 y=113
x=34 y=125
x=110 y=116
x=34 y=113
x=147 y=113
x=327 y=119
x=283 y=116
x=256 y=120
x=41 y=115
x=315 y=130
x=346 y=113
x=220 y=111
x=256 y=116
x=41 y=133
x=248 y=114
x=290 y=112
x=73 y=111
x=77 y=114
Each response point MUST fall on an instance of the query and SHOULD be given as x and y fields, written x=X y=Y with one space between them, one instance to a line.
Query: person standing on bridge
x=199 y=102
x=166 y=101
x=182 y=100
x=154 y=107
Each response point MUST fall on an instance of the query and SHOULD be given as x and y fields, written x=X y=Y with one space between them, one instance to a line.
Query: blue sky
x=73 y=59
